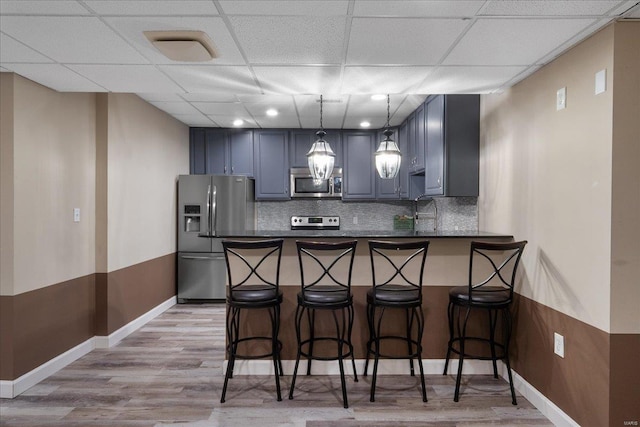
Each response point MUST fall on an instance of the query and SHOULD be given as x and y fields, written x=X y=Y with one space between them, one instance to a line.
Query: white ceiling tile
x=281 y=121
x=512 y=41
x=175 y=107
x=132 y=29
x=71 y=39
x=547 y=8
x=209 y=97
x=626 y=6
x=128 y=78
x=226 y=121
x=42 y=7
x=459 y=79
x=382 y=79
x=56 y=77
x=284 y=105
x=13 y=51
x=401 y=41
x=417 y=8
x=287 y=7
x=147 y=8
x=290 y=40
x=298 y=80
x=160 y=97
x=195 y=120
x=334 y=107
x=221 y=108
x=219 y=80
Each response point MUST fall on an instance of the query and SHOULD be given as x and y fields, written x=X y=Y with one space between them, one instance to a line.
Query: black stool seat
x=325 y=279
x=397 y=270
x=256 y=294
x=253 y=285
x=491 y=292
x=332 y=296
x=394 y=294
x=488 y=295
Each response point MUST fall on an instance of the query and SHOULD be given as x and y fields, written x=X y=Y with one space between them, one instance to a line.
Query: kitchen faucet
x=417 y=215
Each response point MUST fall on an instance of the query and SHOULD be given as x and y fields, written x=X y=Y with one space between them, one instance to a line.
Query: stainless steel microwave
x=303 y=185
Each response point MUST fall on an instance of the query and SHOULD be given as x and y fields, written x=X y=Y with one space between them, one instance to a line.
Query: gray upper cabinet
x=197 y=151
x=300 y=143
x=452 y=148
x=271 y=164
x=221 y=151
x=398 y=187
x=359 y=171
x=419 y=140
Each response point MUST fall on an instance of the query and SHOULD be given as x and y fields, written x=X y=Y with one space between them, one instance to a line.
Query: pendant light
x=321 y=157
x=388 y=156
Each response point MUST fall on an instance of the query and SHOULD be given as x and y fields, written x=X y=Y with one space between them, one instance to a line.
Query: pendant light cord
x=321 y=127
x=388 y=102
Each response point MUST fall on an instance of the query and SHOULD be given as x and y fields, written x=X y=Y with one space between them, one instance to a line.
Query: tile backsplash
x=454 y=213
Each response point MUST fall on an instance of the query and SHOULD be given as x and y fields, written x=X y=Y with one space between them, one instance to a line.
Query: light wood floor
x=170 y=372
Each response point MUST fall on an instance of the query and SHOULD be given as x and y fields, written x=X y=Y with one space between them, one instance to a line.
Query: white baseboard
x=11 y=389
x=398 y=367
x=117 y=336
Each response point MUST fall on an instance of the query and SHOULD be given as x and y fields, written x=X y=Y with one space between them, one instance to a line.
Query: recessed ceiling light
x=183 y=46
x=272 y=112
x=238 y=122
x=365 y=124
x=378 y=97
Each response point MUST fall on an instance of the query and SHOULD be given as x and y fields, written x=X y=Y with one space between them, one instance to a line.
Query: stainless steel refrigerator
x=209 y=205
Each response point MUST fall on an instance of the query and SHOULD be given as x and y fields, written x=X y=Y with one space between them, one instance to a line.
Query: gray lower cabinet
x=271 y=164
x=397 y=188
x=221 y=151
x=359 y=171
x=300 y=143
x=453 y=144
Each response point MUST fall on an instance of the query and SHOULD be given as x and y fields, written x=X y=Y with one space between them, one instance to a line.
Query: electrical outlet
x=76 y=214
x=561 y=99
x=601 y=81
x=558 y=344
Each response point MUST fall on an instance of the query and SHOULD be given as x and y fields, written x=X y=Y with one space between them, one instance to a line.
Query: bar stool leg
x=340 y=335
x=311 y=316
x=353 y=359
x=370 y=311
x=275 y=348
x=462 y=334
x=420 y=322
x=450 y=310
x=298 y=319
x=507 y=323
x=409 y=321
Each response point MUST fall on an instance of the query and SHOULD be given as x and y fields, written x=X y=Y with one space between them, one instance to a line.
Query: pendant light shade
x=321 y=157
x=388 y=156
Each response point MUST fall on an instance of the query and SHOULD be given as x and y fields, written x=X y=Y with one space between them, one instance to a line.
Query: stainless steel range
x=315 y=223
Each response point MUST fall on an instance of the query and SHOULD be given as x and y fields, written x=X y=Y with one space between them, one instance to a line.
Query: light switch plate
x=558 y=344
x=76 y=214
x=561 y=99
x=601 y=81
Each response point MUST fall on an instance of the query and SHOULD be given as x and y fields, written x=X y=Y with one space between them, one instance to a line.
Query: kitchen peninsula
x=446 y=266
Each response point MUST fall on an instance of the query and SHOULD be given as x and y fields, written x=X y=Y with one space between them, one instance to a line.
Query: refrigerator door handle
x=214 y=210
x=209 y=209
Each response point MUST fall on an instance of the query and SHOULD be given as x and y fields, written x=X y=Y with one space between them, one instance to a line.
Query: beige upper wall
x=147 y=150
x=546 y=176
x=6 y=183
x=53 y=173
x=625 y=215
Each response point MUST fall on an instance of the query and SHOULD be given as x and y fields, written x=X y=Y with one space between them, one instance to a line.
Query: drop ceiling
x=284 y=54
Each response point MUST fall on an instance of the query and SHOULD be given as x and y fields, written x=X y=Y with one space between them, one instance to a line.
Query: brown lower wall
x=578 y=383
x=624 y=396
x=42 y=324
x=132 y=291
x=39 y=325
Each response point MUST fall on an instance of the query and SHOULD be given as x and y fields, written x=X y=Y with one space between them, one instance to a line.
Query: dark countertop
x=357 y=234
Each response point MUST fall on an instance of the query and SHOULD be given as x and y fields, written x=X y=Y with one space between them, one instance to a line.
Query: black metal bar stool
x=397 y=270
x=253 y=269
x=492 y=275
x=325 y=277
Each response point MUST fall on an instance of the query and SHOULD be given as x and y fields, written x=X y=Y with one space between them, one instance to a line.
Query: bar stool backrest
x=326 y=266
x=253 y=264
x=493 y=267
x=398 y=265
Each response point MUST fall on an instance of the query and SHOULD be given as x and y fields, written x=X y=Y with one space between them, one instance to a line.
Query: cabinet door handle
x=232 y=170
x=225 y=169
x=439 y=181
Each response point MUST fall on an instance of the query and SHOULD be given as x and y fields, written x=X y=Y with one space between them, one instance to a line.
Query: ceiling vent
x=183 y=46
